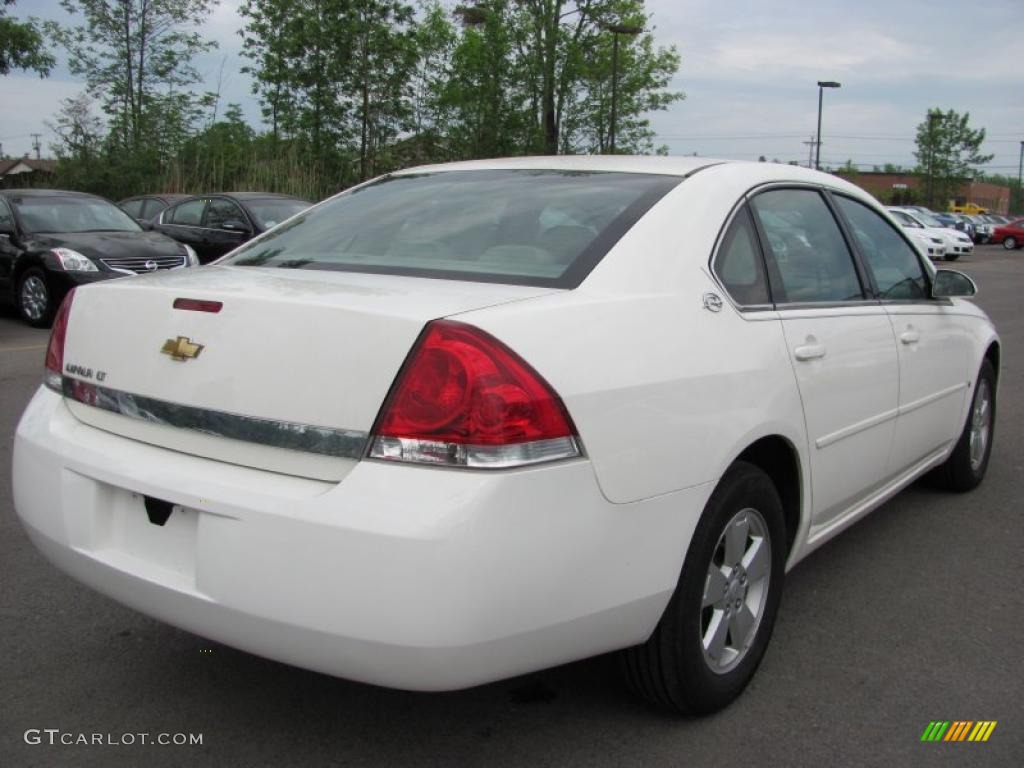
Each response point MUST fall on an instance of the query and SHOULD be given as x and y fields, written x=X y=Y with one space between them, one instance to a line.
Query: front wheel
x=966 y=466
x=1010 y=243
x=716 y=627
x=35 y=302
x=951 y=256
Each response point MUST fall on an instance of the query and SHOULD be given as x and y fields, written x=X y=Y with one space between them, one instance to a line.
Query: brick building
x=908 y=188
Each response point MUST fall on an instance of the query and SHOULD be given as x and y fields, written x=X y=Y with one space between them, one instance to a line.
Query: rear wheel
x=965 y=468
x=716 y=627
x=1010 y=243
x=35 y=302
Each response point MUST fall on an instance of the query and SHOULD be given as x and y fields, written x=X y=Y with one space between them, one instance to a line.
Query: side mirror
x=949 y=283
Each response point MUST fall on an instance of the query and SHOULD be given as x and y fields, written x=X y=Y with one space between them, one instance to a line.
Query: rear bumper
x=408 y=577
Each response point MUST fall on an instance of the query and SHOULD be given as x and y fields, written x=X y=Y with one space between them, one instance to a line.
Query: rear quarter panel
x=665 y=393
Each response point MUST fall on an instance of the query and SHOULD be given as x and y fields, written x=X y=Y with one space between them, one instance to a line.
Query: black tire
x=670 y=670
x=34 y=281
x=1009 y=243
x=960 y=472
x=951 y=256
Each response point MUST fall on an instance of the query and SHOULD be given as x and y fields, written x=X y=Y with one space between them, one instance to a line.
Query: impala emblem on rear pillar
x=712 y=302
x=181 y=348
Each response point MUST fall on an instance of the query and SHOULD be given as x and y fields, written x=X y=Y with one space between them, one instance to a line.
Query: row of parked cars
x=949 y=236
x=53 y=240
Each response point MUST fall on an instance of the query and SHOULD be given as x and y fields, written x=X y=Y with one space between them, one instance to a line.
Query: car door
x=227 y=227
x=184 y=222
x=841 y=344
x=9 y=252
x=934 y=345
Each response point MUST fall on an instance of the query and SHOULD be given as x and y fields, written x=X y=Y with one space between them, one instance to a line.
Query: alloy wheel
x=735 y=590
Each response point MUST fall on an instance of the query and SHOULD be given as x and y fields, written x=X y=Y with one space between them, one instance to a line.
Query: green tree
x=22 y=45
x=135 y=56
x=948 y=151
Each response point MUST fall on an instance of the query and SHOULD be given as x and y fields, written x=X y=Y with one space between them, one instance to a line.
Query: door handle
x=910 y=337
x=809 y=352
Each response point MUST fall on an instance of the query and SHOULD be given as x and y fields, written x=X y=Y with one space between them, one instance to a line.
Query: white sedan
x=957 y=243
x=467 y=421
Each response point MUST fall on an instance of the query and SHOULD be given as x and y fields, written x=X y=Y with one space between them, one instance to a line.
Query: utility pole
x=811 y=144
x=36 y=145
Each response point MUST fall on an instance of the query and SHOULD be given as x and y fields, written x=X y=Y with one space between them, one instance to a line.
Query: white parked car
x=472 y=420
x=957 y=243
x=930 y=244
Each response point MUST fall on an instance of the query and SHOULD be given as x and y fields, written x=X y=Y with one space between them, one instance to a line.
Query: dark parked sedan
x=51 y=241
x=145 y=208
x=216 y=224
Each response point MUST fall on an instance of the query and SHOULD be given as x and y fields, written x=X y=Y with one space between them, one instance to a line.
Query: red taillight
x=198 y=305
x=55 y=349
x=464 y=398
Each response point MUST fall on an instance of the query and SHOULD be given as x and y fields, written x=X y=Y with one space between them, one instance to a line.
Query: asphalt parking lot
x=913 y=615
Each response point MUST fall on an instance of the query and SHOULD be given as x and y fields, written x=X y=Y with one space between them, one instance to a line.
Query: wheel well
x=992 y=355
x=779 y=460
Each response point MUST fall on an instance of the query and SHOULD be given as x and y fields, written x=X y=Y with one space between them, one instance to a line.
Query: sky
x=749 y=72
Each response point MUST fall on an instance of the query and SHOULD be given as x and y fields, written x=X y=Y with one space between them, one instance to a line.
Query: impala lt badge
x=181 y=349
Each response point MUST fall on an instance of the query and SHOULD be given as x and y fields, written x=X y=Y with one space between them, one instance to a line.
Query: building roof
x=15 y=165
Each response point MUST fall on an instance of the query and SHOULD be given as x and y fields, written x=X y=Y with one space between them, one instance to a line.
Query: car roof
x=655 y=164
x=168 y=196
x=46 y=193
x=249 y=195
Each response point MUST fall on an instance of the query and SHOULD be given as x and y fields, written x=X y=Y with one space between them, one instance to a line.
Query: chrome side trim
x=874 y=421
x=325 y=441
x=928 y=399
x=853 y=429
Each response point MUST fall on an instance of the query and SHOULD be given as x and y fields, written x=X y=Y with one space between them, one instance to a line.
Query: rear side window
x=189 y=213
x=527 y=227
x=152 y=208
x=738 y=263
x=893 y=263
x=133 y=208
x=806 y=246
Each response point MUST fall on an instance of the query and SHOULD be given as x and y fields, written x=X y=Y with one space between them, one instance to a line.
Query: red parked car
x=1010 y=235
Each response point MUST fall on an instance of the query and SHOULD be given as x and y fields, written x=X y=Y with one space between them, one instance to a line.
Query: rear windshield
x=536 y=227
x=50 y=213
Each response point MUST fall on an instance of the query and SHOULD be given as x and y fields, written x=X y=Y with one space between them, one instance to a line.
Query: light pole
x=822 y=85
x=932 y=117
x=1020 y=178
x=616 y=30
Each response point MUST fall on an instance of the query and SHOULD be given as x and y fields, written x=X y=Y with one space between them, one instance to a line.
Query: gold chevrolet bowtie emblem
x=181 y=348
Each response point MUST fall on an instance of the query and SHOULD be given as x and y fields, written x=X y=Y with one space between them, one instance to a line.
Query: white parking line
x=22 y=349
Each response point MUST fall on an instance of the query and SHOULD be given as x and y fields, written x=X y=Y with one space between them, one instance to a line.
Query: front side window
x=739 y=265
x=527 y=227
x=220 y=210
x=189 y=213
x=6 y=218
x=268 y=212
x=807 y=248
x=893 y=263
